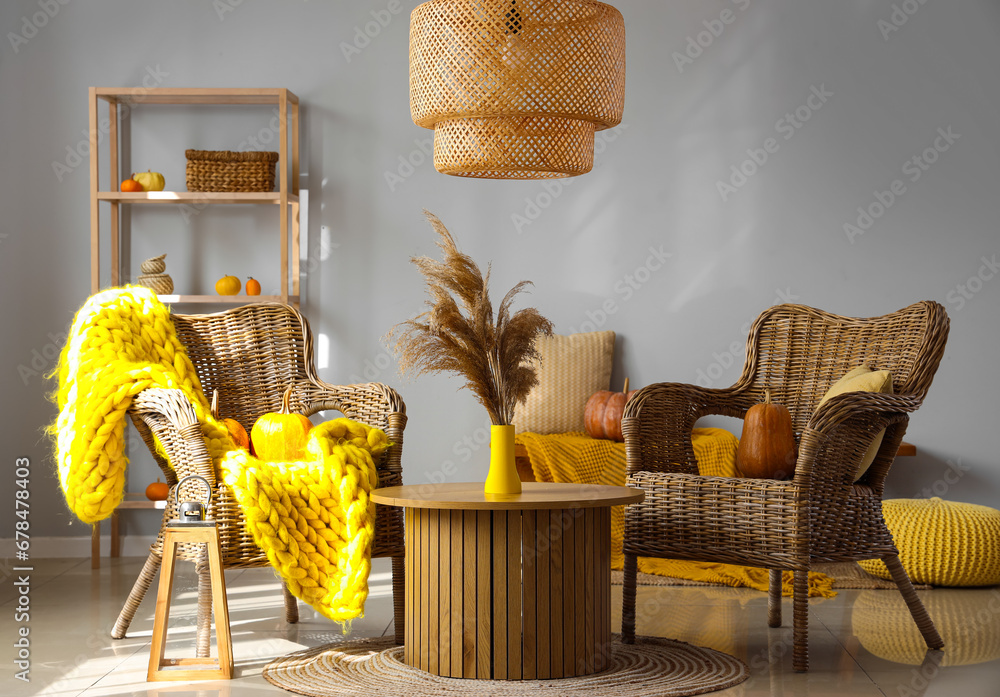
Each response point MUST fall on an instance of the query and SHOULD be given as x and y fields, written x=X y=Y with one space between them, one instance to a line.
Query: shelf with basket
x=285 y=194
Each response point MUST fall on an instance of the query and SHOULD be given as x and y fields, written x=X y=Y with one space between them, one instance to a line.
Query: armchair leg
x=800 y=626
x=136 y=595
x=291 y=605
x=399 y=599
x=917 y=609
x=774 y=598
x=628 y=598
x=204 y=628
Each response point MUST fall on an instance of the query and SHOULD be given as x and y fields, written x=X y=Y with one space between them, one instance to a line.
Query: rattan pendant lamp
x=515 y=89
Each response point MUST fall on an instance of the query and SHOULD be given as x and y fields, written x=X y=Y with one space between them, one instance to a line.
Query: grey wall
x=778 y=236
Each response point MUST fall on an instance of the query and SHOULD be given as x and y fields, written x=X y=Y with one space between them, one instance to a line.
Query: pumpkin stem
x=286 y=401
x=767 y=396
x=215 y=404
x=625 y=389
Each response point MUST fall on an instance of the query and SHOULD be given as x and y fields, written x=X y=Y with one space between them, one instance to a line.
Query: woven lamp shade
x=516 y=89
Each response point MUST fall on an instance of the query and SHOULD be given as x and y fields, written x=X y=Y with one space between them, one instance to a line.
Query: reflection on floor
x=861 y=642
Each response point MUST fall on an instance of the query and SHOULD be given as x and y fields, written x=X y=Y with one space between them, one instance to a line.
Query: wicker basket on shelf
x=224 y=170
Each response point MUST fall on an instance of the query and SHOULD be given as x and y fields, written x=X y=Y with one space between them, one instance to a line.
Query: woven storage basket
x=224 y=170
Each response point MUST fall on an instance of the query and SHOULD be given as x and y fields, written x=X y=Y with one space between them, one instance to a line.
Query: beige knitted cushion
x=572 y=369
x=863 y=379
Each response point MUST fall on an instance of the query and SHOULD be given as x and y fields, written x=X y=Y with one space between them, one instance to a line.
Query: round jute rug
x=652 y=667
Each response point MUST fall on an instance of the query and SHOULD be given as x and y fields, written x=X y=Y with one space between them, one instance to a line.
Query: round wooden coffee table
x=511 y=587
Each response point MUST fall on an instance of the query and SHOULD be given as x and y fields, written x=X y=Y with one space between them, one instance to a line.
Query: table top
x=533 y=496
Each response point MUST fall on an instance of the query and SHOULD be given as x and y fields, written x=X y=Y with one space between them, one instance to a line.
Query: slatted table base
x=508 y=594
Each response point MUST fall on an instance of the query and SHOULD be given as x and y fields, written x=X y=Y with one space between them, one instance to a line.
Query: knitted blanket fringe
x=313 y=519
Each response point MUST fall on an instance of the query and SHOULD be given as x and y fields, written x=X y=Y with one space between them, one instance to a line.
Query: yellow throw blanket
x=576 y=457
x=313 y=519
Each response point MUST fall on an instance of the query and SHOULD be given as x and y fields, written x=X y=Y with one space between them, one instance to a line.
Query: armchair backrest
x=250 y=354
x=798 y=352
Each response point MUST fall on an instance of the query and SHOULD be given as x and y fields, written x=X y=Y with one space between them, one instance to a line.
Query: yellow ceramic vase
x=502 y=478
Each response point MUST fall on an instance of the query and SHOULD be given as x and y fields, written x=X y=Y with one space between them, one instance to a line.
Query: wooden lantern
x=191 y=528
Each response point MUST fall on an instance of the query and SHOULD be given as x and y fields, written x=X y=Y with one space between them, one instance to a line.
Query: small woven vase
x=502 y=477
x=154 y=265
x=153 y=276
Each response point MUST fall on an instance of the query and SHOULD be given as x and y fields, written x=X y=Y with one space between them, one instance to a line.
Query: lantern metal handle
x=208 y=488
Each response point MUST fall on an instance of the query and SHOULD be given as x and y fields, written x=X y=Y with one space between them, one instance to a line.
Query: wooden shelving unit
x=286 y=197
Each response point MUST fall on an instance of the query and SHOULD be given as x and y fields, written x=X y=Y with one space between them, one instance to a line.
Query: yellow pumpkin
x=228 y=285
x=281 y=436
x=151 y=181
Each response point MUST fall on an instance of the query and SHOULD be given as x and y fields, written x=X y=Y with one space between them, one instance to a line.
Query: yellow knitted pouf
x=943 y=543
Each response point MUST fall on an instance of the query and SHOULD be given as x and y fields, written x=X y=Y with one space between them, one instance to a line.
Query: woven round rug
x=650 y=667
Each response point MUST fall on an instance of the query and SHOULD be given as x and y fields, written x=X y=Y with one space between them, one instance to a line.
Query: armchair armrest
x=657 y=423
x=372 y=403
x=169 y=415
x=840 y=431
x=852 y=405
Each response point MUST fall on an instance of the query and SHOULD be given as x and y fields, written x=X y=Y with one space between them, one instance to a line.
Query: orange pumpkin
x=237 y=433
x=131 y=186
x=603 y=414
x=767 y=448
x=157 y=491
x=253 y=286
x=235 y=428
x=281 y=436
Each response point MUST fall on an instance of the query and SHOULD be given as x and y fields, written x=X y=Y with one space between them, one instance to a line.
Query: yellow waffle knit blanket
x=576 y=457
x=313 y=519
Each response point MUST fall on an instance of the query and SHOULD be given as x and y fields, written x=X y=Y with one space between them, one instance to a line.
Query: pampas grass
x=458 y=333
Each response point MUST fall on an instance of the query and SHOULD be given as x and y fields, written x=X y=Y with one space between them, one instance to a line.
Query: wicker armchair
x=251 y=354
x=821 y=515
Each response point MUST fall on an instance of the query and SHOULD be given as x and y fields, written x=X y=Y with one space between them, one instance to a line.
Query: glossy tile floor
x=861 y=643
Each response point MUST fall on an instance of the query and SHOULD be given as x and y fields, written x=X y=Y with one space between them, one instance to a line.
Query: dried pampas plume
x=459 y=334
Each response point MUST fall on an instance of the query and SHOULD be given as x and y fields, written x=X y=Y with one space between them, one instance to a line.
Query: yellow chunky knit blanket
x=313 y=519
x=576 y=457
